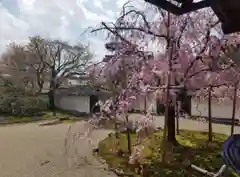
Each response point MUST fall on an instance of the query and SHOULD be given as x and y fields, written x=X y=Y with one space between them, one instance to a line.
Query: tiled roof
x=81 y=90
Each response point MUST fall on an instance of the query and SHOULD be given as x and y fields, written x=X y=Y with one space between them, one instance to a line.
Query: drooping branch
x=119 y=26
x=202 y=51
x=182 y=29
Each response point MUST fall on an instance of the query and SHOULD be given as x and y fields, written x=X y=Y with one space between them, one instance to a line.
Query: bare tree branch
x=128 y=29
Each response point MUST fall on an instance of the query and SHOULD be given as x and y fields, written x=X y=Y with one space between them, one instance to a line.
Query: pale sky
x=59 y=19
x=62 y=19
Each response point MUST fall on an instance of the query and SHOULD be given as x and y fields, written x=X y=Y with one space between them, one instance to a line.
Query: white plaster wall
x=74 y=103
x=219 y=110
x=139 y=103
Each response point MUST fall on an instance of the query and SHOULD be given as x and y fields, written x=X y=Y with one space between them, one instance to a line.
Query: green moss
x=68 y=121
x=49 y=116
x=17 y=119
x=193 y=148
x=45 y=116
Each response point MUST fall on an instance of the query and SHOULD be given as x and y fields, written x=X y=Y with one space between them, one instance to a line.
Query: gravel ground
x=29 y=150
x=192 y=125
x=32 y=151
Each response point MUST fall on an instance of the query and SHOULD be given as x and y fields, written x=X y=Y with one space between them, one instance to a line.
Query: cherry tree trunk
x=171 y=135
x=169 y=122
x=210 y=114
x=116 y=125
x=234 y=107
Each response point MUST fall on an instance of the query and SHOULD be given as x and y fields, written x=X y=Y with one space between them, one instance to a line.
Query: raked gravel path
x=29 y=150
x=32 y=151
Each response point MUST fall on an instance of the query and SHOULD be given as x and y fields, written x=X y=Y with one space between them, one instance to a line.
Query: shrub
x=23 y=105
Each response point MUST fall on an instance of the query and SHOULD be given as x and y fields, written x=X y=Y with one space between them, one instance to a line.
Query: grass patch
x=193 y=148
x=64 y=116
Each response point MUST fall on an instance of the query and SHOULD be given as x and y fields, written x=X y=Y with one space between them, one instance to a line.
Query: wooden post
x=128 y=136
x=210 y=113
x=234 y=107
x=145 y=104
x=127 y=120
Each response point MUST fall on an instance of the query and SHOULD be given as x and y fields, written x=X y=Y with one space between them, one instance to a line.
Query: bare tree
x=38 y=55
x=15 y=68
x=42 y=61
x=58 y=61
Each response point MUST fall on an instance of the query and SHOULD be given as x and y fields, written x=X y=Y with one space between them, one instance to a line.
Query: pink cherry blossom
x=195 y=58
